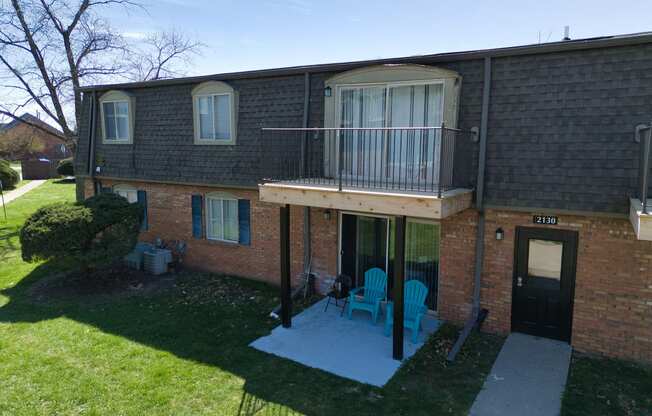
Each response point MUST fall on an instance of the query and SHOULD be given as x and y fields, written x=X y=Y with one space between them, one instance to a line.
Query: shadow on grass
x=7 y=245
x=211 y=320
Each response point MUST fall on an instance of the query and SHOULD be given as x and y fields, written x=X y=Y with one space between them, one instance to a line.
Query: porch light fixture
x=327 y=215
x=500 y=234
x=327 y=92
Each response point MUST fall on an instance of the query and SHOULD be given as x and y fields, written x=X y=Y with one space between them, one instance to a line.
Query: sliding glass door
x=413 y=154
x=422 y=240
x=363 y=245
x=363 y=107
x=376 y=155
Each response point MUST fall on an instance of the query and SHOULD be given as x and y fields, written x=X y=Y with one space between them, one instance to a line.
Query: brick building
x=515 y=179
x=21 y=140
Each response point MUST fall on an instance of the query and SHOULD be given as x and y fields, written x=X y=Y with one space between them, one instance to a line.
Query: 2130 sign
x=545 y=219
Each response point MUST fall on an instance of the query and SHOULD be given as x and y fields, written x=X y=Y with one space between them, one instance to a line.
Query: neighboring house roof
x=31 y=119
x=565 y=45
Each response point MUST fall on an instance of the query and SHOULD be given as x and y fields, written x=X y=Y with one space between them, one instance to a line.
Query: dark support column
x=286 y=287
x=399 y=269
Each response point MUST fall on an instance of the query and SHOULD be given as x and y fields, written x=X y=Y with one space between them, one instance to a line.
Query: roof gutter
x=476 y=317
x=91 y=139
x=562 y=46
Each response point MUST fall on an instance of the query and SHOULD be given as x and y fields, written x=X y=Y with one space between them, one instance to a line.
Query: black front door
x=544 y=280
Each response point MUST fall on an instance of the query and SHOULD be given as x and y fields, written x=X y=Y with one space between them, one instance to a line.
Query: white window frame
x=115 y=97
x=221 y=198
x=388 y=85
x=214 y=89
x=126 y=189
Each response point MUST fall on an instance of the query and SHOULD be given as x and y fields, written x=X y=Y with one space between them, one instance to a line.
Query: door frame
x=389 y=218
x=339 y=235
x=569 y=237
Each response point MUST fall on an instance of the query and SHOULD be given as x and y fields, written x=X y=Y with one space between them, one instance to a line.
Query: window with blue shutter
x=142 y=200
x=197 y=229
x=244 y=222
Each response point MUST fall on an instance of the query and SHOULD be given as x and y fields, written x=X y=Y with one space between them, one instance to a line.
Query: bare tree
x=48 y=47
x=162 y=55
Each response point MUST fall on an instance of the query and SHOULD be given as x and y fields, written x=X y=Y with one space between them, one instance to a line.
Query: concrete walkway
x=528 y=378
x=11 y=195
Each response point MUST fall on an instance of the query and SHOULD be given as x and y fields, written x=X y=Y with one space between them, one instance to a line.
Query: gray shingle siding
x=560 y=129
x=163 y=146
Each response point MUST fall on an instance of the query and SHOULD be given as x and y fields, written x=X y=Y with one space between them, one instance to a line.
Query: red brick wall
x=169 y=217
x=613 y=288
x=457 y=266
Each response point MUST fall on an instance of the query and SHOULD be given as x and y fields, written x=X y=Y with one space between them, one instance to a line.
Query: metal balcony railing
x=645 y=137
x=413 y=159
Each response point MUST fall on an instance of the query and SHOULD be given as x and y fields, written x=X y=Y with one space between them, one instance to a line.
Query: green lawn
x=598 y=386
x=184 y=351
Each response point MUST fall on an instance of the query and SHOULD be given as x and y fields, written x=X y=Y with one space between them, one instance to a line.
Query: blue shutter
x=142 y=200
x=244 y=223
x=197 y=229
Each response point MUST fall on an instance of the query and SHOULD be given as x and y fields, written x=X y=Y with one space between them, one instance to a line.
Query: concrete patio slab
x=355 y=349
x=528 y=378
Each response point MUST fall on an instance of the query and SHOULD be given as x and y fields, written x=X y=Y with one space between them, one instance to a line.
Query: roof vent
x=566 y=33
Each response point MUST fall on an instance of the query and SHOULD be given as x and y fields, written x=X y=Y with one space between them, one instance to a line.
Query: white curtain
x=400 y=155
x=363 y=150
x=414 y=154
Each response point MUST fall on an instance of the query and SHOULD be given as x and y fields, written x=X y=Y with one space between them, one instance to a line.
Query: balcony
x=423 y=172
x=640 y=207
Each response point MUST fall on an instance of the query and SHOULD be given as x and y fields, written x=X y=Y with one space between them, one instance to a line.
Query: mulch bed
x=116 y=279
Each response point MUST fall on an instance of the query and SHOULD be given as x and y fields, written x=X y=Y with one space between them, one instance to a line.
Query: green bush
x=66 y=167
x=92 y=232
x=8 y=176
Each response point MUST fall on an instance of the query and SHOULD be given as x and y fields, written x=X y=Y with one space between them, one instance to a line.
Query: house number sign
x=545 y=219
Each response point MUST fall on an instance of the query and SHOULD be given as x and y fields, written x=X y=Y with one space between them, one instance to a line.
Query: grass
x=599 y=386
x=183 y=351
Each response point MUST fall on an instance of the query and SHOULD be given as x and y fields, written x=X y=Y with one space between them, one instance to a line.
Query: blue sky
x=242 y=35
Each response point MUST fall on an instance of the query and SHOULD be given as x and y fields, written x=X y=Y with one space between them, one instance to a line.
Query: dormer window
x=116 y=109
x=215 y=109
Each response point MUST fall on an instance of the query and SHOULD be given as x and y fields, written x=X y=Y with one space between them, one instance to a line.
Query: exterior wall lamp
x=328 y=91
x=500 y=234
x=327 y=215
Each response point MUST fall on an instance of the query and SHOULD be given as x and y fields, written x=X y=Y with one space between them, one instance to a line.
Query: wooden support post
x=286 y=287
x=399 y=269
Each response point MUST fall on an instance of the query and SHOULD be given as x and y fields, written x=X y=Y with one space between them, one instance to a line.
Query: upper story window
x=117 y=117
x=215 y=110
x=403 y=95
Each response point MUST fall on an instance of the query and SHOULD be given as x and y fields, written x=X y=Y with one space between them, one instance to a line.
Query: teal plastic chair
x=414 y=308
x=375 y=284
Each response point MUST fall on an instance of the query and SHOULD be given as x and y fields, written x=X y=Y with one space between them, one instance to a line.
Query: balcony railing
x=645 y=171
x=413 y=159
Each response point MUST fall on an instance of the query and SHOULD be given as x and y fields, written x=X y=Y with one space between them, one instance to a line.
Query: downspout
x=91 y=144
x=476 y=316
x=307 y=254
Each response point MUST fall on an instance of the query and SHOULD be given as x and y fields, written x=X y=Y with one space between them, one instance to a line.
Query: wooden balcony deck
x=370 y=200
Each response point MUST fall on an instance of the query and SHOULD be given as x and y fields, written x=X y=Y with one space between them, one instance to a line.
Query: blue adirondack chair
x=414 y=308
x=375 y=283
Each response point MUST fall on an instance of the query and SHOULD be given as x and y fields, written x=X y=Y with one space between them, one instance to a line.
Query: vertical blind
x=373 y=153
